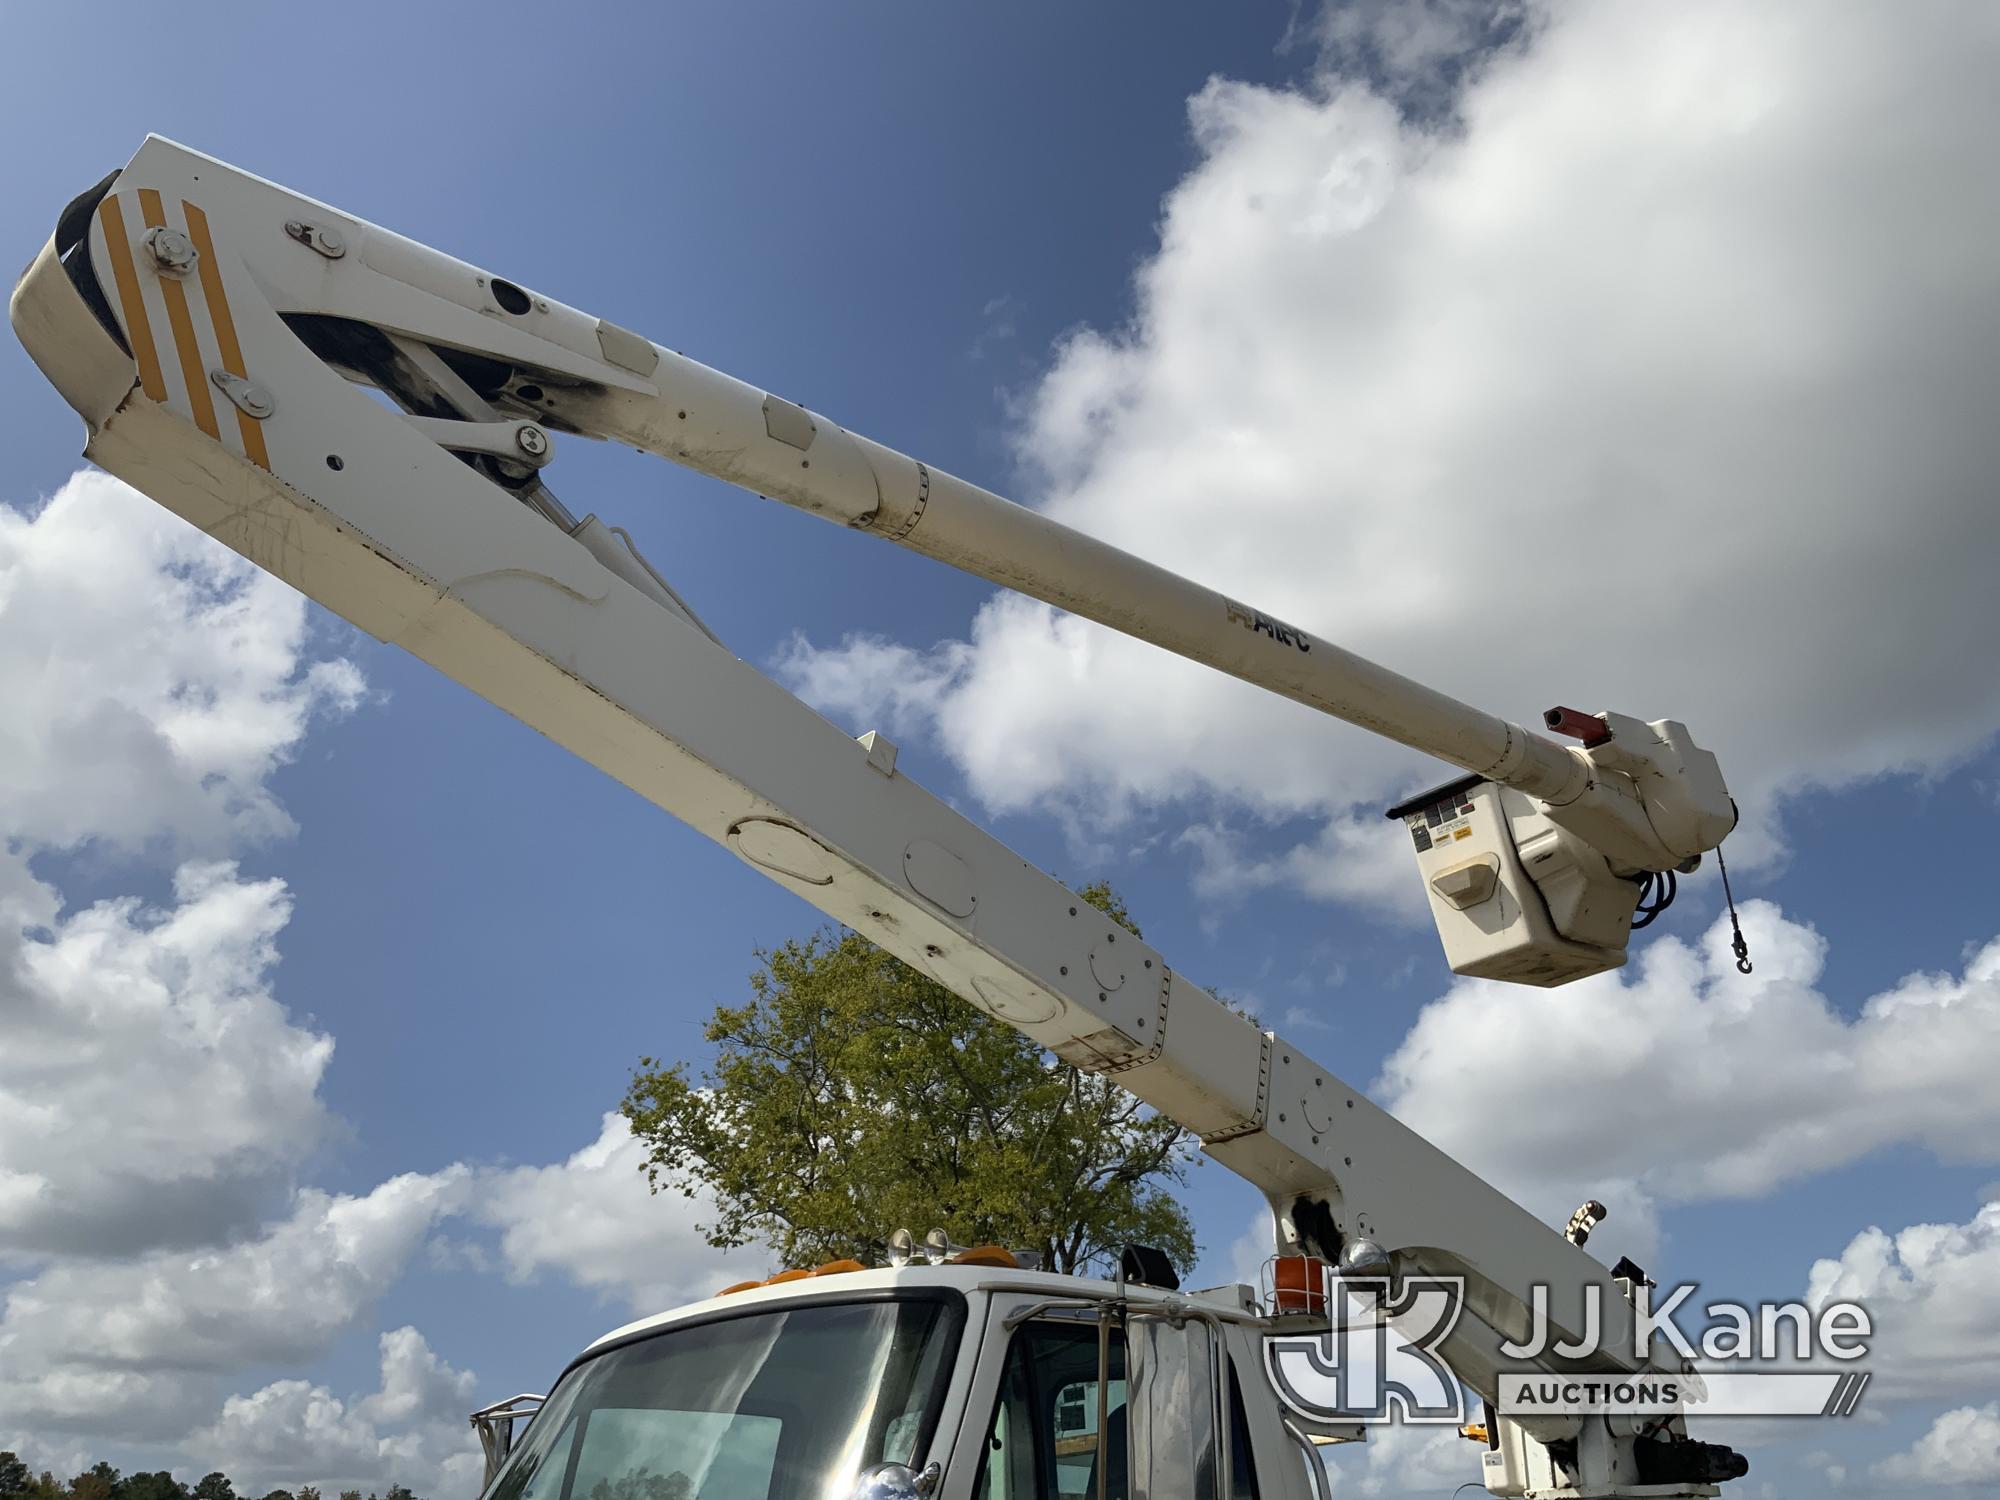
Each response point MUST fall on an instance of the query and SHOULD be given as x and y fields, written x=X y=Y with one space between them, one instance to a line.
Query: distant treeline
x=102 y=1482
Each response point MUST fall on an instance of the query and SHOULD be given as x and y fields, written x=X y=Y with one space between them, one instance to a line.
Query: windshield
x=785 y=1405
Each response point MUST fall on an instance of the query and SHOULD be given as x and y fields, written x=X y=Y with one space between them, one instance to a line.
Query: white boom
x=217 y=334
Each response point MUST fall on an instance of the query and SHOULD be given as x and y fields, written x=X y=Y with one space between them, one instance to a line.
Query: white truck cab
x=954 y=1381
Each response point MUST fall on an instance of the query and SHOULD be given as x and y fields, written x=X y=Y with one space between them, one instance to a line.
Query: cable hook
x=1743 y=964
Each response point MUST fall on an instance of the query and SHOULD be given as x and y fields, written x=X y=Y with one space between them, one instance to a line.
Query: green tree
x=308 y=1492
x=350 y=1495
x=853 y=1094
x=643 y=1484
x=98 y=1482
x=280 y=1495
x=215 y=1486
x=159 y=1485
x=15 y=1478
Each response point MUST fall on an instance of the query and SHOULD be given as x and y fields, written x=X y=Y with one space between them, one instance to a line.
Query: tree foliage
x=853 y=1094
x=643 y=1484
x=102 y=1482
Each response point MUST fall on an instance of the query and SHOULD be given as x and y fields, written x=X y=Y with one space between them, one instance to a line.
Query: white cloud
x=1962 y=1447
x=1249 y=1252
x=998 y=317
x=155 y=1098
x=1657 y=382
x=411 y=1431
x=138 y=1346
x=152 y=1089
x=153 y=679
x=154 y=1095
x=141 y=1349
x=1398 y=1459
x=1933 y=1293
x=1365 y=861
x=591 y=1219
x=60 y=1459
x=1743 y=1082
x=1418 y=50
x=416 y=1383
x=1829 y=1468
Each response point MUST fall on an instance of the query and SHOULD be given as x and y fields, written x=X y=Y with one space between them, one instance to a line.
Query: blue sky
x=1385 y=344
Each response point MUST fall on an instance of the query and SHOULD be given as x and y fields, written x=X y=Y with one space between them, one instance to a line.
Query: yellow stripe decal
x=175 y=294
x=138 y=327
x=225 y=328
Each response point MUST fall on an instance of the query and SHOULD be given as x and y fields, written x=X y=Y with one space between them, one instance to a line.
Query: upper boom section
x=722 y=427
x=1543 y=893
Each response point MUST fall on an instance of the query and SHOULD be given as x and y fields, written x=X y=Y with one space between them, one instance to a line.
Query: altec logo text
x=1261 y=624
x=1378 y=1359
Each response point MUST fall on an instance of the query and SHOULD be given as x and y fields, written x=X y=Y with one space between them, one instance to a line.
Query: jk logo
x=1378 y=1360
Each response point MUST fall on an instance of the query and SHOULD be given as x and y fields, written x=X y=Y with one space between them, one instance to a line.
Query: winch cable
x=1743 y=964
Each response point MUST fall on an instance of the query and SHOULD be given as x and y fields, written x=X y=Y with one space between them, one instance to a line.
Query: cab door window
x=1044 y=1442
x=1242 y=1463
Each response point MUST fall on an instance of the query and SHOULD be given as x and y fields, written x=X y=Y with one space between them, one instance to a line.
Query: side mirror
x=495 y=1426
x=896 y=1482
x=1176 y=1397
